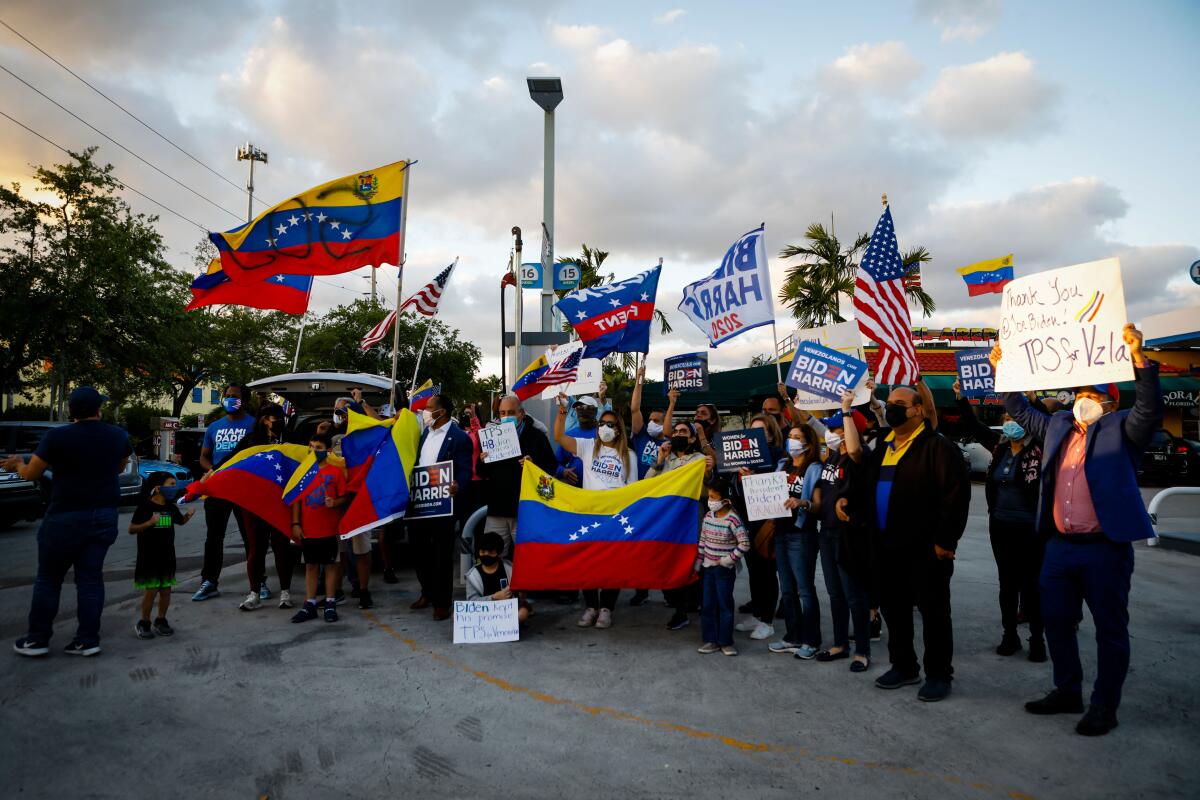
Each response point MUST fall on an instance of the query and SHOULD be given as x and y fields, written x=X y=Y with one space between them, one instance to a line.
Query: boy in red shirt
x=315 y=516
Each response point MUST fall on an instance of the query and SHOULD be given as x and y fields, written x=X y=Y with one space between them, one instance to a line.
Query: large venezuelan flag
x=987 y=277
x=336 y=227
x=254 y=479
x=286 y=293
x=380 y=455
x=304 y=474
x=643 y=535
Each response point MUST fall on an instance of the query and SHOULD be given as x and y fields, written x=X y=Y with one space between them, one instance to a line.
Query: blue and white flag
x=614 y=318
x=735 y=298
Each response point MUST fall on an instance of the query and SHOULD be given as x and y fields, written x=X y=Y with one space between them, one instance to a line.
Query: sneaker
x=1010 y=644
x=1096 y=722
x=1037 y=650
x=783 y=646
x=639 y=598
x=389 y=576
x=1056 y=702
x=708 y=648
x=877 y=628
x=264 y=592
x=588 y=619
x=605 y=619
x=331 y=611
x=28 y=647
x=162 y=627
x=747 y=624
x=142 y=629
x=364 y=599
x=285 y=598
x=762 y=631
x=77 y=649
x=251 y=602
x=307 y=611
x=207 y=589
x=806 y=652
x=894 y=679
x=729 y=650
x=677 y=621
x=934 y=690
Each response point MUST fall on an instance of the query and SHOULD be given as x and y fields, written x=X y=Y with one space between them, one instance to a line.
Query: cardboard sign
x=1062 y=328
x=765 y=495
x=737 y=449
x=500 y=442
x=975 y=372
x=429 y=492
x=823 y=371
x=483 y=621
x=687 y=373
x=845 y=338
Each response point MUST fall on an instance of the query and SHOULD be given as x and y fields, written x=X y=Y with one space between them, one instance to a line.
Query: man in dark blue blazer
x=1092 y=511
x=432 y=540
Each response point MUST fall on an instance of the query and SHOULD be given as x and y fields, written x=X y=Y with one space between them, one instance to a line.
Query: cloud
x=669 y=17
x=887 y=67
x=960 y=19
x=1001 y=97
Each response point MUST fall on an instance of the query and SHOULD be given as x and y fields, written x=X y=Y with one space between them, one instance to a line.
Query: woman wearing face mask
x=797 y=544
x=1013 y=481
x=608 y=463
x=708 y=425
x=760 y=561
x=154 y=524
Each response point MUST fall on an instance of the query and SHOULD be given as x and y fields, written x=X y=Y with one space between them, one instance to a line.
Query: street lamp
x=547 y=93
x=249 y=152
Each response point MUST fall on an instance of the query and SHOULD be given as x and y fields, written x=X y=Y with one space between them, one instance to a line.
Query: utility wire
x=135 y=117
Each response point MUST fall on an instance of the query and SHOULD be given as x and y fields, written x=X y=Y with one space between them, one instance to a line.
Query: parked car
x=1171 y=460
x=313 y=394
x=148 y=466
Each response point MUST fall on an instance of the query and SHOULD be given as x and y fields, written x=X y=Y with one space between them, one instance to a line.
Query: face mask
x=321 y=455
x=679 y=443
x=427 y=418
x=170 y=492
x=795 y=447
x=895 y=415
x=654 y=429
x=1013 y=430
x=586 y=416
x=508 y=420
x=338 y=419
x=606 y=433
x=715 y=505
x=1087 y=410
x=832 y=441
x=488 y=561
x=232 y=404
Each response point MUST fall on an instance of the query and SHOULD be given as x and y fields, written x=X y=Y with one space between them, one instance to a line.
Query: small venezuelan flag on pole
x=988 y=277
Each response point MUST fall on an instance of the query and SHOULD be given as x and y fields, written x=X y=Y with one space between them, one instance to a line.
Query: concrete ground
x=246 y=705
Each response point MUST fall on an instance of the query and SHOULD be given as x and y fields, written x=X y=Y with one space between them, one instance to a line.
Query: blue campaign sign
x=737 y=449
x=531 y=276
x=566 y=275
x=824 y=371
x=429 y=493
x=687 y=373
x=975 y=372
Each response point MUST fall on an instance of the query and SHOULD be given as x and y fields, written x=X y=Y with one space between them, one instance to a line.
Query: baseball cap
x=1109 y=389
x=85 y=401
x=586 y=400
x=837 y=421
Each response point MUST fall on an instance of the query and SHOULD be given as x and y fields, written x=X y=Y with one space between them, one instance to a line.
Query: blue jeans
x=846 y=598
x=796 y=560
x=67 y=539
x=716 y=615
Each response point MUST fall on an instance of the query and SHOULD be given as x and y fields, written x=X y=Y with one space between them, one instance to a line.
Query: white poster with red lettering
x=735 y=298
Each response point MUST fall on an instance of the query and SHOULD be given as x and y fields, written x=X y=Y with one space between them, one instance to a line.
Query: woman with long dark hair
x=797 y=544
x=760 y=561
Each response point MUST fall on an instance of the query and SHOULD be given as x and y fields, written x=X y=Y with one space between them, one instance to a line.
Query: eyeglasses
x=608 y=424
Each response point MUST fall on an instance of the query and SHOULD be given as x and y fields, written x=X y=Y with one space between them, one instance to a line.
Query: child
x=154 y=524
x=489 y=579
x=723 y=543
x=315 y=516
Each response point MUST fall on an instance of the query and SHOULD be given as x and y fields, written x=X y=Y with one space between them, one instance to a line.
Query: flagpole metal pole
x=299 y=339
x=400 y=279
x=775 y=349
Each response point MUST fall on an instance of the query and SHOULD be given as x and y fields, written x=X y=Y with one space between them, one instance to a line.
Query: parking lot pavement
x=248 y=705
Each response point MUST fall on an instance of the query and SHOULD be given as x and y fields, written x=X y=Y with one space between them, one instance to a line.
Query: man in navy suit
x=1092 y=512
x=433 y=539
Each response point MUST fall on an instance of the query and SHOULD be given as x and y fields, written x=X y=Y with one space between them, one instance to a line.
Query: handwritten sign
x=823 y=371
x=587 y=379
x=484 y=621
x=975 y=372
x=845 y=338
x=687 y=373
x=737 y=449
x=1062 y=327
x=500 y=442
x=765 y=495
x=429 y=492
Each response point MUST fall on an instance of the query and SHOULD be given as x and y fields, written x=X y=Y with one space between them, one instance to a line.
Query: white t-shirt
x=605 y=471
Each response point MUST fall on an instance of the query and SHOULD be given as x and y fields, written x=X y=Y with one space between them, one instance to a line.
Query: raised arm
x=1145 y=418
x=928 y=408
x=975 y=429
x=850 y=432
x=669 y=417
x=560 y=426
x=1033 y=421
x=635 y=403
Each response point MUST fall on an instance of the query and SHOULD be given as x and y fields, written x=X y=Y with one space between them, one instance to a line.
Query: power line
x=135 y=117
x=50 y=141
x=157 y=169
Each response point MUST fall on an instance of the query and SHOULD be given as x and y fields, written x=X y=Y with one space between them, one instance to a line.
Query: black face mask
x=488 y=561
x=587 y=419
x=895 y=415
x=679 y=443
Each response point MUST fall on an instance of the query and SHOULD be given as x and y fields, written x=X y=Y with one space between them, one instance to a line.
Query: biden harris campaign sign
x=735 y=298
x=975 y=374
x=687 y=373
x=823 y=371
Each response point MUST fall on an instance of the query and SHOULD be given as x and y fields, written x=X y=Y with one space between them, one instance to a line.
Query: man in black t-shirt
x=80 y=523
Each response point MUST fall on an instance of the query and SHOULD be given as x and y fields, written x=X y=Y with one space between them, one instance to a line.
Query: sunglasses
x=608 y=424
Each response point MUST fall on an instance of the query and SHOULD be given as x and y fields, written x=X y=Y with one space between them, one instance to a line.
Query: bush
x=27 y=412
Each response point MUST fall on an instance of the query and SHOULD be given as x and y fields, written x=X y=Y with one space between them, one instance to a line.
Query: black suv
x=1171 y=460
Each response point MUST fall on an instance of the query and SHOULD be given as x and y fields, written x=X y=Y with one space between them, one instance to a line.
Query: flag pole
x=400 y=279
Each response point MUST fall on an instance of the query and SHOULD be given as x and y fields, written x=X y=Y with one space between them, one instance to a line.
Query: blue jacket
x=1115 y=445
x=455 y=447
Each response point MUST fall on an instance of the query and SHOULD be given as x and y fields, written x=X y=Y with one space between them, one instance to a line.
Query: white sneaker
x=747 y=624
x=285 y=598
x=763 y=631
x=588 y=619
x=605 y=619
x=251 y=602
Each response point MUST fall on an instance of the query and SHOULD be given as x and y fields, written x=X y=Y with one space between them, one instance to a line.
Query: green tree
x=826 y=271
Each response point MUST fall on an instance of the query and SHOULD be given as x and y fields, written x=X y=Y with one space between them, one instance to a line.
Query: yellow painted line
x=796 y=754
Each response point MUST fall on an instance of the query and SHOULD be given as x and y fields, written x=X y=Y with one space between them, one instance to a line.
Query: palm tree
x=826 y=272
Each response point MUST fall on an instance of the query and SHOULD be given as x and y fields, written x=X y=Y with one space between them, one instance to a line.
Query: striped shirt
x=720 y=537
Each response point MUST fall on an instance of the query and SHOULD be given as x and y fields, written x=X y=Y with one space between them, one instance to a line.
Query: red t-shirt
x=318 y=520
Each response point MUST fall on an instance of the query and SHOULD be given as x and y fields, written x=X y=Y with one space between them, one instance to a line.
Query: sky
x=1060 y=132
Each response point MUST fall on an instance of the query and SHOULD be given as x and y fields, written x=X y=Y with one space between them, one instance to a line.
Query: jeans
x=434 y=550
x=67 y=539
x=1018 y=550
x=601 y=598
x=917 y=577
x=764 y=584
x=846 y=598
x=716 y=615
x=216 y=520
x=796 y=562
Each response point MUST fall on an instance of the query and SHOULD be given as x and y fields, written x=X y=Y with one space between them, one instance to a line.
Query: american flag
x=424 y=302
x=880 y=306
x=379 y=332
x=564 y=371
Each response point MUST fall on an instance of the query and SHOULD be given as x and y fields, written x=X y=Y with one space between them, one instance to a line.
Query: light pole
x=249 y=152
x=547 y=93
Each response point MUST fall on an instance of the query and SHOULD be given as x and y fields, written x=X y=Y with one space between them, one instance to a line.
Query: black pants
x=764 y=582
x=685 y=599
x=216 y=520
x=260 y=536
x=601 y=598
x=432 y=542
x=1018 y=550
x=911 y=578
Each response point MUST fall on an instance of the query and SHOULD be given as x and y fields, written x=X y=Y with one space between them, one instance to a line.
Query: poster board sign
x=845 y=338
x=429 y=492
x=975 y=373
x=687 y=373
x=1062 y=328
x=587 y=381
x=823 y=371
x=737 y=449
x=500 y=442
x=765 y=495
x=486 y=621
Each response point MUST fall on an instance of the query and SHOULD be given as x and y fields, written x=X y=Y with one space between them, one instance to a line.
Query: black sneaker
x=639 y=598
x=877 y=628
x=894 y=679
x=389 y=576
x=1056 y=702
x=1097 y=721
x=307 y=611
x=142 y=629
x=934 y=690
x=162 y=627
x=28 y=647
x=77 y=649
x=331 y=611
x=678 y=620
x=1010 y=644
x=1037 y=650
x=364 y=599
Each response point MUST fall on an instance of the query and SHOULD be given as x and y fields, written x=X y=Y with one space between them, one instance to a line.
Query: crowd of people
x=876 y=495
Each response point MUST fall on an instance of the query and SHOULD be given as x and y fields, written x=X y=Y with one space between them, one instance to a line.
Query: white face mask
x=606 y=434
x=832 y=441
x=427 y=417
x=655 y=429
x=715 y=505
x=795 y=447
x=1087 y=410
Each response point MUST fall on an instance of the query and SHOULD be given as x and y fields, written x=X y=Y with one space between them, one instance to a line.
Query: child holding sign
x=488 y=580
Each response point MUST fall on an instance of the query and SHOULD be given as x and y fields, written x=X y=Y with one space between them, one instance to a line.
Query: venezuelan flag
x=986 y=277
x=286 y=293
x=421 y=397
x=304 y=474
x=644 y=534
x=526 y=385
x=380 y=461
x=336 y=227
x=254 y=479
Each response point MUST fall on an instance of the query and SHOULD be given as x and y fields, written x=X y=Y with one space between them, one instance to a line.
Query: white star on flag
x=624 y=520
x=583 y=530
x=645 y=297
x=334 y=225
x=628 y=529
x=574 y=536
x=293 y=220
x=321 y=216
x=595 y=524
x=614 y=302
x=269 y=457
x=279 y=279
x=580 y=314
x=282 y=229
x=346 y=234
